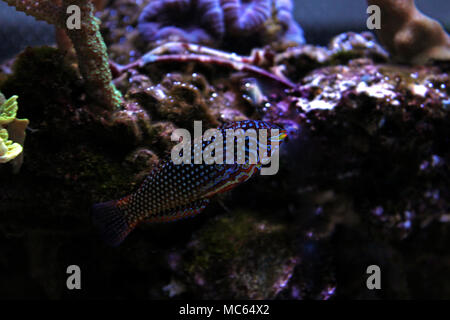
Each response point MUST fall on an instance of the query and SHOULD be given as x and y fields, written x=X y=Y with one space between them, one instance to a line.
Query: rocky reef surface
x=364 y=176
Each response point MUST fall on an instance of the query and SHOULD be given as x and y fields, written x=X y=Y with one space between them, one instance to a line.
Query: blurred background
x=320 y=19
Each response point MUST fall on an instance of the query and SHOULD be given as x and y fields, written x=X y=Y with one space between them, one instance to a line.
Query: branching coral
x=88 y=43
x=409 y=35
x=12 y=131
x=212 y=20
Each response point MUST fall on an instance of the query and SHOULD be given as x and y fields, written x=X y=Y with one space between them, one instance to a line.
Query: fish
x=175 y=191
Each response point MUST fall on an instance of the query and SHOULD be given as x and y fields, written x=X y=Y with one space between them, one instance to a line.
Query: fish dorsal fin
x=181 y=212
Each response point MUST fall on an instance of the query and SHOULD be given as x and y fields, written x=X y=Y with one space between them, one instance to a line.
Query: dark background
x=321 y=19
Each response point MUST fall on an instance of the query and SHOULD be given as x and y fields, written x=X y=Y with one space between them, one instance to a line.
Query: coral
x=154 y=18
x=8 y=149
x=245 y=17
x=88 y=43
x=12 y=133
x=8 y=109
x=215 y=21
x=11 y=128
x=409 y=35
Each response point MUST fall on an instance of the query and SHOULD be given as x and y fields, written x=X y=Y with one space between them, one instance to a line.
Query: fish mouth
x=280 y=137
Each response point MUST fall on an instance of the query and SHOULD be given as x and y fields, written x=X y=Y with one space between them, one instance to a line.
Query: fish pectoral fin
x=189 y=210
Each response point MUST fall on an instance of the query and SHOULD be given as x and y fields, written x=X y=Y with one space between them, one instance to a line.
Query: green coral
x=8 y=111
x=9 y=149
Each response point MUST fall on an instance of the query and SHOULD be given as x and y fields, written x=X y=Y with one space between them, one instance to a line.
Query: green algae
x=256 y=254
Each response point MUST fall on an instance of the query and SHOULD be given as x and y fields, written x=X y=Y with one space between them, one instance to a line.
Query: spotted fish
x=175 y=191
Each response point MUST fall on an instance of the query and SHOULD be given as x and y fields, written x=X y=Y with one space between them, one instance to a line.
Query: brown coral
x=88 y=43
x=409 y=35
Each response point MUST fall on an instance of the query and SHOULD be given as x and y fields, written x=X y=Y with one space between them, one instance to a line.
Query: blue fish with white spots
x=175 y=191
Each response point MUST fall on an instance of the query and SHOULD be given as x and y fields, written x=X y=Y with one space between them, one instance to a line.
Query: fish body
x=175 y=191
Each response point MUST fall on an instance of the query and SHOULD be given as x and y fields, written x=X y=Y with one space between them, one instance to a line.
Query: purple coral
x=161 y=20
x=284 y=15
x=210 y=20
x=246 y=16
x=212 y=15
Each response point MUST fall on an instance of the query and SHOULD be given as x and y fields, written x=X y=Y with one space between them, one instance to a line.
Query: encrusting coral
x=409 y=35
x=87 y=41
x=12 y=132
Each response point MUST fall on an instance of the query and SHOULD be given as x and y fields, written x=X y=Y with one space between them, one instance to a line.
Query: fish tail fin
x=111 y=222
